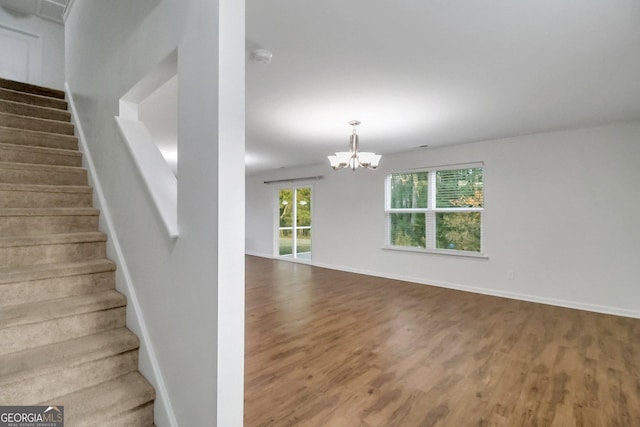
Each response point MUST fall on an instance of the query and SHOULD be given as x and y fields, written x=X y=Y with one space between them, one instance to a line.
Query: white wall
x=52 y=36
x=189 y=291
x=561 y=213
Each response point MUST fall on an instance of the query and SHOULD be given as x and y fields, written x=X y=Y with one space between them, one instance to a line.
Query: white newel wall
x=186 y=296
x=561 y=214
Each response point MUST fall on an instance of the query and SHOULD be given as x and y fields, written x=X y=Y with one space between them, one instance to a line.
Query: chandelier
x=353 y=159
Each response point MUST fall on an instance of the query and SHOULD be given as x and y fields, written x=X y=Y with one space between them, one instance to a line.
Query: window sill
x=446 y=252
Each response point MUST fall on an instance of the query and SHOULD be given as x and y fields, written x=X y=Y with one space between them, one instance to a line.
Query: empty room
x=320 y=214
x=484 y=273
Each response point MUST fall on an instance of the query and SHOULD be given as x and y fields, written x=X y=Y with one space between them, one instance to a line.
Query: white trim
x=491 y=292
x=465 y=165
x=161 y=183
x=259 y=254
x=276 y=222
x=283 y=258
x=113 y=241
x=67 y=10
x=448 y=252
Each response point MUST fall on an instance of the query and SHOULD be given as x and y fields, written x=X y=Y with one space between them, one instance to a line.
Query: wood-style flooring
x=329 y=348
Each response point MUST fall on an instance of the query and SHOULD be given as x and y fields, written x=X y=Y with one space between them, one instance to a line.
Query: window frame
x=431 y=212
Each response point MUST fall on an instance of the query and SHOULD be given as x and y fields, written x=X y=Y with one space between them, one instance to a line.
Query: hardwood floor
x=328 y=348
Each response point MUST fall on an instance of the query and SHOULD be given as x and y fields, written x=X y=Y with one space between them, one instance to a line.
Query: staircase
x=63 y=339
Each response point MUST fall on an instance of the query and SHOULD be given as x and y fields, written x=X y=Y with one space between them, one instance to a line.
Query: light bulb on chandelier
x=353 y=159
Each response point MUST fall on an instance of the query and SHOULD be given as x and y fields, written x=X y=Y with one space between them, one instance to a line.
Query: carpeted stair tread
x=44 y=196
x=141 y=416
x=38 y=249
x=31 y=89
x=105 y=403
x=17 y=153
x=34 y=335
x=34 y=283
x=15 y=136
x=15 y=367
x=22 y=109
x=53 y=239
x=28 y=173
x=48 y=211
x=43 y=150
x=38 y=221
x=49 y=168
x=35 y=123
x=72 y=366
x=59 y=269
x=26 y=314
x=32 y=99
x=44 y=188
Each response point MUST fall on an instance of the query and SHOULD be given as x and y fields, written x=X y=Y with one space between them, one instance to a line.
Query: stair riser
x=13 y=175
x=34 y=225
x=19 y=137
x=114 y=403
x=33 y=100
x=20 y=154
x=141 y=416
x=34 y=111
x=40 y=125
x=23 y=337
x=29 y=88
x=37 y=199
x=18 y=256
x=56 y=287
x=46 y=386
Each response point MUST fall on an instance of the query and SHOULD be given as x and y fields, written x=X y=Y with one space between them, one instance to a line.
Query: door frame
x=276 y=223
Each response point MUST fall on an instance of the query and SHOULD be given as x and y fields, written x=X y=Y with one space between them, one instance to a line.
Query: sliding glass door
x=294 y=223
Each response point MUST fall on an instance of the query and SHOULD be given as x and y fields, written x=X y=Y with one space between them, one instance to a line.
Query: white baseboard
x=113 y=244
x=258 y=254
x=492 y=292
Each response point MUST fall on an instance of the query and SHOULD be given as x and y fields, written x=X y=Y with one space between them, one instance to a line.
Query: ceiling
x=47 y=9
x=426 y=72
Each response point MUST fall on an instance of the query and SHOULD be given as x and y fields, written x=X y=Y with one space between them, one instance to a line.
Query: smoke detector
x=261 y=56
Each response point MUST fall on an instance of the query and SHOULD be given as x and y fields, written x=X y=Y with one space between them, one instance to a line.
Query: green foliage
x=285 y=243
x=459 y=231
x=409 y=190
x=286 y=208
x=302 y=219
x=304 y=246
x=303 y=212
x=303 y=203
x=408 y=229
x=458 y=188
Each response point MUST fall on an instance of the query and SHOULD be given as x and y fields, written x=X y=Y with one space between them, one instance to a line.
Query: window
x=294 y=222
x=436 y=210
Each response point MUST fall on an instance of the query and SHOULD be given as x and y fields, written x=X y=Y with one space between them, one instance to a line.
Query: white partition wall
x=189 y=289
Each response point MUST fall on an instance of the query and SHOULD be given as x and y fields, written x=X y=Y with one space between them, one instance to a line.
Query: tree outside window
x=436 y=209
